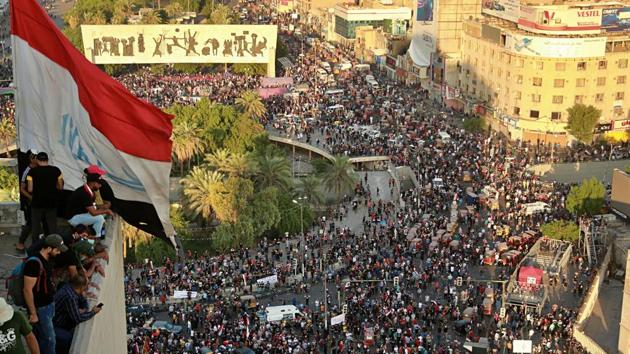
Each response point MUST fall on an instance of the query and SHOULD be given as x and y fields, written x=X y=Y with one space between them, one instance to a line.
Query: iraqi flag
x=69 y=108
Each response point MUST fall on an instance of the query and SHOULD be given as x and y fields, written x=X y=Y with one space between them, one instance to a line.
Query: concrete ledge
x=325 y=154
x=106 y=333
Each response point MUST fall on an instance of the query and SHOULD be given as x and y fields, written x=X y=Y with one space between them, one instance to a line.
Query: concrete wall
x=9 y=215
x=587 y=307
x=624 y=326
x=106 y=333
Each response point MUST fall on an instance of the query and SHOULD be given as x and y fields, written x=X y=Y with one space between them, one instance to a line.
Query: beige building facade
x=526 y=82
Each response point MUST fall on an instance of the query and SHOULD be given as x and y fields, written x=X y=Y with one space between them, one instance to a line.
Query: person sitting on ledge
x=81 y=207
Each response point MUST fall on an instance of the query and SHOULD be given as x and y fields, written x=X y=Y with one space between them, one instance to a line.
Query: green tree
x=263 y=211
x=249 y=69
x=231 y=199
x=9 y=184
x=7 y=135
x=187 y=141
x=272 y=171
x=337 y=175
x=627 y=169
x=233 y=235
x=174 y=10
x=310 y=187
x=220 y=15
x=586 y=198
x=561 y=230
x=201 y=189
x=251 y=104
x=151 y=18
x=582 y=120
x=474 y=125
x=234 y=164
x=290 y=220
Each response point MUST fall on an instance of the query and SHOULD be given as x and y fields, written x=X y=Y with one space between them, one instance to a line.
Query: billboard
x=150 y=44
x=560 y=19
x=564 y=47
x=620 y=195
x=423 y=43
x=424 y=11
x=506 y=9
x=617 y=19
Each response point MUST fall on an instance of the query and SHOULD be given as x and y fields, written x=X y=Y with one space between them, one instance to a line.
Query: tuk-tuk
x=249 y=301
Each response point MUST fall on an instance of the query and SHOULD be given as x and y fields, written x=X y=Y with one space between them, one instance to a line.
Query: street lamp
x=301 y=212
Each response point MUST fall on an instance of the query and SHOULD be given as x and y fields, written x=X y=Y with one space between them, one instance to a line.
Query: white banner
x=136 y=44
x=505 y=9
x=423 y=43
x=521 y=346
x=338 y=319
x=183 y=294
x=585 y=47
x=270 y=280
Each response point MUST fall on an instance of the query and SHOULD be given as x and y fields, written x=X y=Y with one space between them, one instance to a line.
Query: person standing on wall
x=44 y=182
x=25 y=202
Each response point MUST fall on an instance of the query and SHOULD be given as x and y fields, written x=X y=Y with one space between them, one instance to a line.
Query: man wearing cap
x=81 y=206
x=39 y=292
x=44 y=182
x=13 y=326
x=104 y=196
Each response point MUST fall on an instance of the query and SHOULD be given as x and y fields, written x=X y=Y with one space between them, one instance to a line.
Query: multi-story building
x=525 y=66
x=347 y=17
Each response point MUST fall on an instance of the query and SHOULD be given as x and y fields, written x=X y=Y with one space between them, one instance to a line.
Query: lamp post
x=298 y=202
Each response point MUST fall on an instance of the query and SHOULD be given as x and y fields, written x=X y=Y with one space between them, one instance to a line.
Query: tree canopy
x=586 y=198
x=582 y=120
x=561 y=230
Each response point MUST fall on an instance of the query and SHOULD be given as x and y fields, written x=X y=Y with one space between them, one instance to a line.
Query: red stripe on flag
x=132 y=125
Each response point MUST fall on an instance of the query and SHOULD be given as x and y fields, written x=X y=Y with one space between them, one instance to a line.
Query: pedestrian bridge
x=295 y=145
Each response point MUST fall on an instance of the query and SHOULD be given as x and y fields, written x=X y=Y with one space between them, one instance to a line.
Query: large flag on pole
x=69 y=108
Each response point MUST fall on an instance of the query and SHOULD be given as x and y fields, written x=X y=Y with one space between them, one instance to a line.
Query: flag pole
x=15 y=90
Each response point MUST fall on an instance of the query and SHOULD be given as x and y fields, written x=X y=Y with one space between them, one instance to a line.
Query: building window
x=619 y=95
x=622 y=64
x=535 y=97
x=618 y=110
x=517 y=95
x=520 y=62
x=537 y=81
x=602 y=64
x=519 y=79
x=507 y=75
x=621 y=79
x=540 y=65
x=534 y=114
x=599 y=97
x=581 y=66
x=561 y=66
x=557 y=99
x=556 y=115
x=579 y=98
x=558 y=83
x=499 y=72
x=517 y=111
x=601 y=81
x=580 y=82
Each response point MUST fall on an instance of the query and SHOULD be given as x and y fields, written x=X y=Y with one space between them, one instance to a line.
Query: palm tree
x=151 y=18
x=200 y=189
x=338 y=175
x=132 y=236
x=234 y=164
x=174 y=9
x=187 y=142
x=272 y=171
x=7 y=135
x=310 y=188
x=251 y=104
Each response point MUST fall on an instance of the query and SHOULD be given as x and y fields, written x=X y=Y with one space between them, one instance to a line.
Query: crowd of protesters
x=62 y=256
x=424 y=309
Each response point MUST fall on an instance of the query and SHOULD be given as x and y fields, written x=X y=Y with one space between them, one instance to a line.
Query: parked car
x=165 y=326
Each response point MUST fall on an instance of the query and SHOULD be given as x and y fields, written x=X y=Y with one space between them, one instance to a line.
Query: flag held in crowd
x=69 y=108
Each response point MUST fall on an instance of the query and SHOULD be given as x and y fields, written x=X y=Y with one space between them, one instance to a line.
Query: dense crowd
x=423 y=310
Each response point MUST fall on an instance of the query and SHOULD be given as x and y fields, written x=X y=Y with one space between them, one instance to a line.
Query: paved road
x=576 y=172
